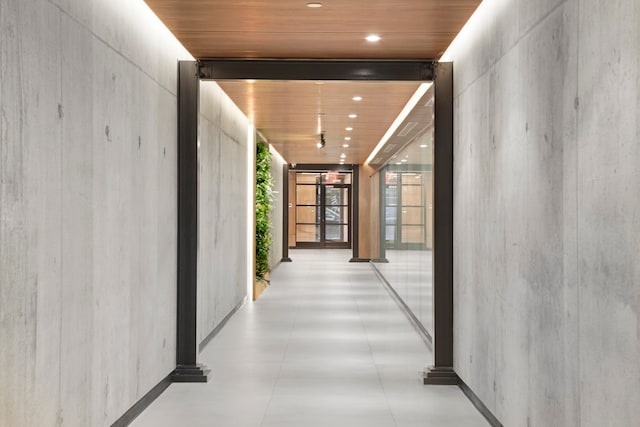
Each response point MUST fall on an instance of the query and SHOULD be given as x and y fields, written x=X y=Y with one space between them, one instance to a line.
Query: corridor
x=325 y=345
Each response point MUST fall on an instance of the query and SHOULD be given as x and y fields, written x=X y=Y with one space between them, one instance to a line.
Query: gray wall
x=277 y=212
x=88 y=208
x=222 y=212
x=546 y=211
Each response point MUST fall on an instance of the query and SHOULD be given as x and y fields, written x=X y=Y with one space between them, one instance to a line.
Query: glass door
x=323 y=210
x=335 y=222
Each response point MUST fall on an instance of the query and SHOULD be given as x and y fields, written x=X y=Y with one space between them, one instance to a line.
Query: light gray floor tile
x=325 y=345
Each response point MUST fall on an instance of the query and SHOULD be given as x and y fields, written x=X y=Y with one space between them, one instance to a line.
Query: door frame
x=321 y=220
x=189 y=76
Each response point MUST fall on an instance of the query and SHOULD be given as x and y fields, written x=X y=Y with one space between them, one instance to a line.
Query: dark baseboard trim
x=191 y=374
x=142 y=404
x=287 y=259
x=417 y=324
x=479 y=405
x=440 y=376
x=359 y=260
x=381 y=260
x=217 y=329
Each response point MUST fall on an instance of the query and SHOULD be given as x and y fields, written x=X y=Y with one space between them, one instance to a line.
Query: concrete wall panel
x=222 y=253
x=87 y=209
x=608 y=203
x=546 y=129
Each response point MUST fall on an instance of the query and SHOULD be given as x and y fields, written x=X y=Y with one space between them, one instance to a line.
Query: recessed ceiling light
x=348 y=129
x=314 y=5
x=404 y=160
x=399 y=163
x=423 y=146
x=343 y=156
x=357 y=98
x=353 y=116
x=373 y=38
x=347 y=138
x=345 y=145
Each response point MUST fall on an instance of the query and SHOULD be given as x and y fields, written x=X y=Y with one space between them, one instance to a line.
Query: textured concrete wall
x=277 y=212
x=222 y=211
x=87 y=209
x=547 y=211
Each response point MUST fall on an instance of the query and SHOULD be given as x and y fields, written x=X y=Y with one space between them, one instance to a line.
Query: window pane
x=391 y=195
x=307 y=233
x=391 y=215
x=306 y=194
x=412 y=234
x=412 y=195
x=336 y=215
x=307 y=214
x=337 y=233
x=336 y=196
x=307 y=178
x=413 y=216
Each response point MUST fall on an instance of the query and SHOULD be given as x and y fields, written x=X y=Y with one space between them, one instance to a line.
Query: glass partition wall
x=406 y=226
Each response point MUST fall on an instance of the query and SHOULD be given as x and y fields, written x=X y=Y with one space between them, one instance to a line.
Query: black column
x=355 y=214
x=285 y=213
x=188 y=369
x=442 y=372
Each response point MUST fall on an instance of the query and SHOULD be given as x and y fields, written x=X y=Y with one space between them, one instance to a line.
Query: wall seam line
x=515 y=44
x=59 y=417
x=577 y=122
x=112 y=48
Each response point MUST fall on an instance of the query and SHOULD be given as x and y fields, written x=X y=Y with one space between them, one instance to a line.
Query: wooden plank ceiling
x=287 y=112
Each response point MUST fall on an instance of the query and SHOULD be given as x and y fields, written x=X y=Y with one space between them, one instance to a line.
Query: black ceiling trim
x=240 y=69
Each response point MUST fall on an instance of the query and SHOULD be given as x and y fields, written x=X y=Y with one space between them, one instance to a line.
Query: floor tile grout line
x=375 y=365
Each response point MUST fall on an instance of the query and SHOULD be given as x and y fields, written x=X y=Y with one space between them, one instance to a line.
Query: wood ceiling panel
x=314 y=45
x=287 y=112
x=288 y=29
x=292 y=114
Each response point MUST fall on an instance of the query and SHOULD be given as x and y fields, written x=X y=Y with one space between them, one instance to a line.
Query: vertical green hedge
x=264 y=188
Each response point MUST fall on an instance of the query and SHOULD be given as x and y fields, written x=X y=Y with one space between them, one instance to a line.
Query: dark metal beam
x=225 y=69
x=442 y=372
x=355 y=213
x=188 y=369
x=285 y=213
x=320 y=167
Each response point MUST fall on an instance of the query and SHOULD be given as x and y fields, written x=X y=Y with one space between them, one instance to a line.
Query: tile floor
x=324 y=346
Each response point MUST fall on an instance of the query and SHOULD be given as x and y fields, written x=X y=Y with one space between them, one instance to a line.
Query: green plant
x=264 y=198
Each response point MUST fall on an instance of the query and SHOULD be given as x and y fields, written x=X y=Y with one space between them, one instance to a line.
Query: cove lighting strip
x=422 y=89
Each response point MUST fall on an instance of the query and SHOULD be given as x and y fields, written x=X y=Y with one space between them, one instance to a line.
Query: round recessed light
x=348 y=129
x=314 y=5
x=343 y=156
x=353 y=116
x=357 y=98
x=398 y=163
x=404 y=160
x=373 y=38
x=423 y=146
x=345 y=145
x=347 y=138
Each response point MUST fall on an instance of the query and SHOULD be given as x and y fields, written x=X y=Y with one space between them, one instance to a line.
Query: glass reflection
x=406 y=226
